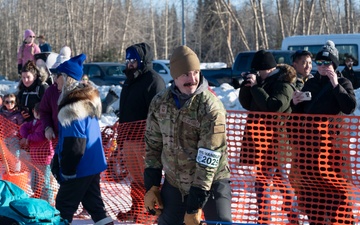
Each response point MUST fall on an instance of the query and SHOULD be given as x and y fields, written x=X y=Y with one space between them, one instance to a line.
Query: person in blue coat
x=79 y=158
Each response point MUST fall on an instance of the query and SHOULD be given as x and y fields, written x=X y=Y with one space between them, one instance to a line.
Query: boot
x=110 y=98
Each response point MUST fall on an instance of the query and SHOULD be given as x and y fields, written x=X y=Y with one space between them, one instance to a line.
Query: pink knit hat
x=28 y=33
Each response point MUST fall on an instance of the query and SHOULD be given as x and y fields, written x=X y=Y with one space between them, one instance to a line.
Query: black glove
x=196 y=200
x=19 y=69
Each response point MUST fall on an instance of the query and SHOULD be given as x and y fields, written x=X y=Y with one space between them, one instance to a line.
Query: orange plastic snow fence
x=286 y=168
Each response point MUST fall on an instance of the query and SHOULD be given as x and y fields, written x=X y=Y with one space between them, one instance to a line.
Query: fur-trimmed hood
x=287 y=73
x=82 y=102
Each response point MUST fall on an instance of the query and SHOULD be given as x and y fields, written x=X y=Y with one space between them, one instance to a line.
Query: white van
x=345 y=43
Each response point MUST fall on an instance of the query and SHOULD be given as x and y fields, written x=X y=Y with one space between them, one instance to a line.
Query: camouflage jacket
x=189 y=143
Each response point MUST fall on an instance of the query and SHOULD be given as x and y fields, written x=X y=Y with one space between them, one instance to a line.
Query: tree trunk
x=263 y=25
x=280 y=19
x=237 y=22
x=128 y=11
x=311 y=17
x=153 y=37
x=324 y=18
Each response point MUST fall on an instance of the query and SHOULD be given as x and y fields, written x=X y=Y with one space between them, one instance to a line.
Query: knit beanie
x=182 y=61
x=329 y=53
x=73 y=67
x=263 y=60
x=131 y=53
x=28 y=33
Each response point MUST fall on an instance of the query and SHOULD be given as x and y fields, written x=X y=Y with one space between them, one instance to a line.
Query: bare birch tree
x=128 y=11
x=279 y=8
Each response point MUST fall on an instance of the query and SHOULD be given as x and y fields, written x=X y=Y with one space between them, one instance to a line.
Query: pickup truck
x=242 y=63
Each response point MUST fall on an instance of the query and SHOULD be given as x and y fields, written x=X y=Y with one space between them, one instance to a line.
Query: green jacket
x=189 y=143
x=274 y=94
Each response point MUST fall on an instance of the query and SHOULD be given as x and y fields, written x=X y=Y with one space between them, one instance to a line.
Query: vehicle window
x=115 y=71
x=159 y=68
x=94 y=71
x=282 y=57
x=344 y=49
x=244 y=62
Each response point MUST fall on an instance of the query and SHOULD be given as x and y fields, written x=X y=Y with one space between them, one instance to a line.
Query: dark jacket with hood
x=79 y=152
x=138 y=92
x=28 y=96
x=326 y=99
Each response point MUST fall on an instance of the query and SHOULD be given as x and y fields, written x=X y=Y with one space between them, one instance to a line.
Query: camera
x=244 y=76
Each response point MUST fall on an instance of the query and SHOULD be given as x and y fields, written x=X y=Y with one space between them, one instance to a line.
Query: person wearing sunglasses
x=10 y=110
x=332 y=94
x=141 y=85
x=27 y=50
x=302 y=63
x=349 y=72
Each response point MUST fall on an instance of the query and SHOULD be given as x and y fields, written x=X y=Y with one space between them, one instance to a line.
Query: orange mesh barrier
x=286 y=168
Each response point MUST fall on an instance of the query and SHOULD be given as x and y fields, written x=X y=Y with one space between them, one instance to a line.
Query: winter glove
x=151 y=199
x=193 y=219
x=49 y=133
x=19 y=69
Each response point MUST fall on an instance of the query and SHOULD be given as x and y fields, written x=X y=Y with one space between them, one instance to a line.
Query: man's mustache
x=190 y=84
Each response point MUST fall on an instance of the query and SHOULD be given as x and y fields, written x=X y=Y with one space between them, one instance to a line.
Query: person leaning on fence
x=141 y=85
x=302 y=63
x=332 y=94
x=268 y=91
x=41 y=152
x=79 y=157
x=185 y=136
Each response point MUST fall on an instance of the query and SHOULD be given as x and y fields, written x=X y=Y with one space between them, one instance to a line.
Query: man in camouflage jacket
x=185 y=137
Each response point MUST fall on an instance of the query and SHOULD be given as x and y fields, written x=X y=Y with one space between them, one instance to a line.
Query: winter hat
x=183 y=60
x=329 y=53
x=263 y=60
x=131 y=53
x=73 y=67
x=28 y=33
x=65 y=54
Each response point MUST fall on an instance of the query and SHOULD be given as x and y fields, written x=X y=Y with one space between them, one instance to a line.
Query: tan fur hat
x=182 y=61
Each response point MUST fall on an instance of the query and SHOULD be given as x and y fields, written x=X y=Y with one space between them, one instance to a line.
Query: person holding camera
x=268 y=90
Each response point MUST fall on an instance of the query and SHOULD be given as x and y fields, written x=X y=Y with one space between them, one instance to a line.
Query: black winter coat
x=28 y=96
x=332 y=101
x=137 y=93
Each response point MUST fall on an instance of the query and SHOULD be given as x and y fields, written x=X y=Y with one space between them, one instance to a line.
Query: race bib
x=208 y=158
